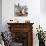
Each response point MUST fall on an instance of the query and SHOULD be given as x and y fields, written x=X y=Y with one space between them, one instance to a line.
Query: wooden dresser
x=22 y=33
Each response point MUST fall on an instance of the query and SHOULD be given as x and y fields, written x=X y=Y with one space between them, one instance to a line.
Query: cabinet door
x=20 y=37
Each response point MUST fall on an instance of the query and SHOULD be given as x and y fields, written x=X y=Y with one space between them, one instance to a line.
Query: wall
x=33 y=10
x=43 y=5
x=43 y=14
x=0 y=15
x=35 y=15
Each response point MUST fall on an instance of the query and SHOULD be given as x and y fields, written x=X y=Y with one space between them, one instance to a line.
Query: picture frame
x=20 y=10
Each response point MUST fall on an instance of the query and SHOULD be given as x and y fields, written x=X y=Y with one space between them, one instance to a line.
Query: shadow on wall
x=0 y=15
x=43 y=6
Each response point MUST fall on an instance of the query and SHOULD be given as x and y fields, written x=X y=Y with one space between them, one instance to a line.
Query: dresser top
x=19 y=23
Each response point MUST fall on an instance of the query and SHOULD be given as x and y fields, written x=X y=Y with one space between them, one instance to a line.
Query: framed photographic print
x=20 y=10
